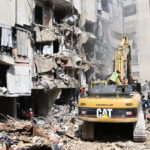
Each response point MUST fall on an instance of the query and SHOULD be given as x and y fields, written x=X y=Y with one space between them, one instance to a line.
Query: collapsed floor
x=60 y=130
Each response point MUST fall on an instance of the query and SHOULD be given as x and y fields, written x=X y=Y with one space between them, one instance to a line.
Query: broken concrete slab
x=47 y=34
x=44 y=64
x=7 y=60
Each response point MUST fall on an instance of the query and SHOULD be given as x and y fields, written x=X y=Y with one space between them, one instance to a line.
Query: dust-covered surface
x=61 y=130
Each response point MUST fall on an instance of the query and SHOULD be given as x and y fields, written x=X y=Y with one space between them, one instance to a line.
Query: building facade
x=136 y=26
x=49 y=48
x=43 y=55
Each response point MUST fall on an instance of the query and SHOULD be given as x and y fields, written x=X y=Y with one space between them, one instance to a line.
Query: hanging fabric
x=6 y=38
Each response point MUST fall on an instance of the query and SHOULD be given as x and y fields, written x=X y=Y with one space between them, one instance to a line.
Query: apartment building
x=136 y=25
x=49 y=48
x=15 y=53
x=43 y=52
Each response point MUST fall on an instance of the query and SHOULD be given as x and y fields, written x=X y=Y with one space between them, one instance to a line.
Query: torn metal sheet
x=44 y=64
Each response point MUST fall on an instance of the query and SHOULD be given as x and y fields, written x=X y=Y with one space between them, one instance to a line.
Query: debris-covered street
x=60 y=130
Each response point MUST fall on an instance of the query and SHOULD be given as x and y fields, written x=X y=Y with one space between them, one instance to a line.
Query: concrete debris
x=46 y=34
x=45 y=65
x=51 y=73
x=6 y=59
x=72 y=20
x=50 y=132
x=3 y=90
x=60 y=130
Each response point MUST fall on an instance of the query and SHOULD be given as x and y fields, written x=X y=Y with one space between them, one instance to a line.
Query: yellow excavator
x=115 y=103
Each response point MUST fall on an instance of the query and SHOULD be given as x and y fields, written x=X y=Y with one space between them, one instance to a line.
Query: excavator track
x=139 y=129
x=88 y=131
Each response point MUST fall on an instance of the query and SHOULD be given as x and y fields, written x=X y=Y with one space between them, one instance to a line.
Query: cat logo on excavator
x=104 y=113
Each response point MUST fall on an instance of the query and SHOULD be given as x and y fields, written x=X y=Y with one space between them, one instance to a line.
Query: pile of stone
x=53 y=132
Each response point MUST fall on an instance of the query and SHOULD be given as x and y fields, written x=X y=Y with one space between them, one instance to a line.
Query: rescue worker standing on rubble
x=114 y=78
x=74 y=99
x=144 y=101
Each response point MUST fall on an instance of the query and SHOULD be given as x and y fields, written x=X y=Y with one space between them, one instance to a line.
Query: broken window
x=70 y=72
x=129 y=10
x=56 y=46
x=47 y=48
x=136 y=74
x=3 y=71
x=43 y=48
x=47 y=14
x=89 y=27
x=38 y=14
x=105 y=5
x=60 y=14
x=135 y=59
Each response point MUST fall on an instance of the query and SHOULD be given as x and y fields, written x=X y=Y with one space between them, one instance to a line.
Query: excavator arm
x=122 y=60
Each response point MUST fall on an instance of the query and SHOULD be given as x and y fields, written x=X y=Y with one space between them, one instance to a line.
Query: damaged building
x=57 y=55
x=50 y=48
x=42 y=53
x=16 y=55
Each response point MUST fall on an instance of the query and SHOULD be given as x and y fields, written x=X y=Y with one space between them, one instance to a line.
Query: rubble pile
x=22 y=135
x=60 y=130
x=52 y=133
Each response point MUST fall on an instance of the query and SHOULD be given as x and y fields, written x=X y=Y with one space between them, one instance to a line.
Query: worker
x=144 y=101
x=83 y=91
x=147 y=105
x=114 y=77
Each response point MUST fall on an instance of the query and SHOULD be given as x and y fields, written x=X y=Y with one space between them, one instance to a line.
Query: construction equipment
x=118 y=103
